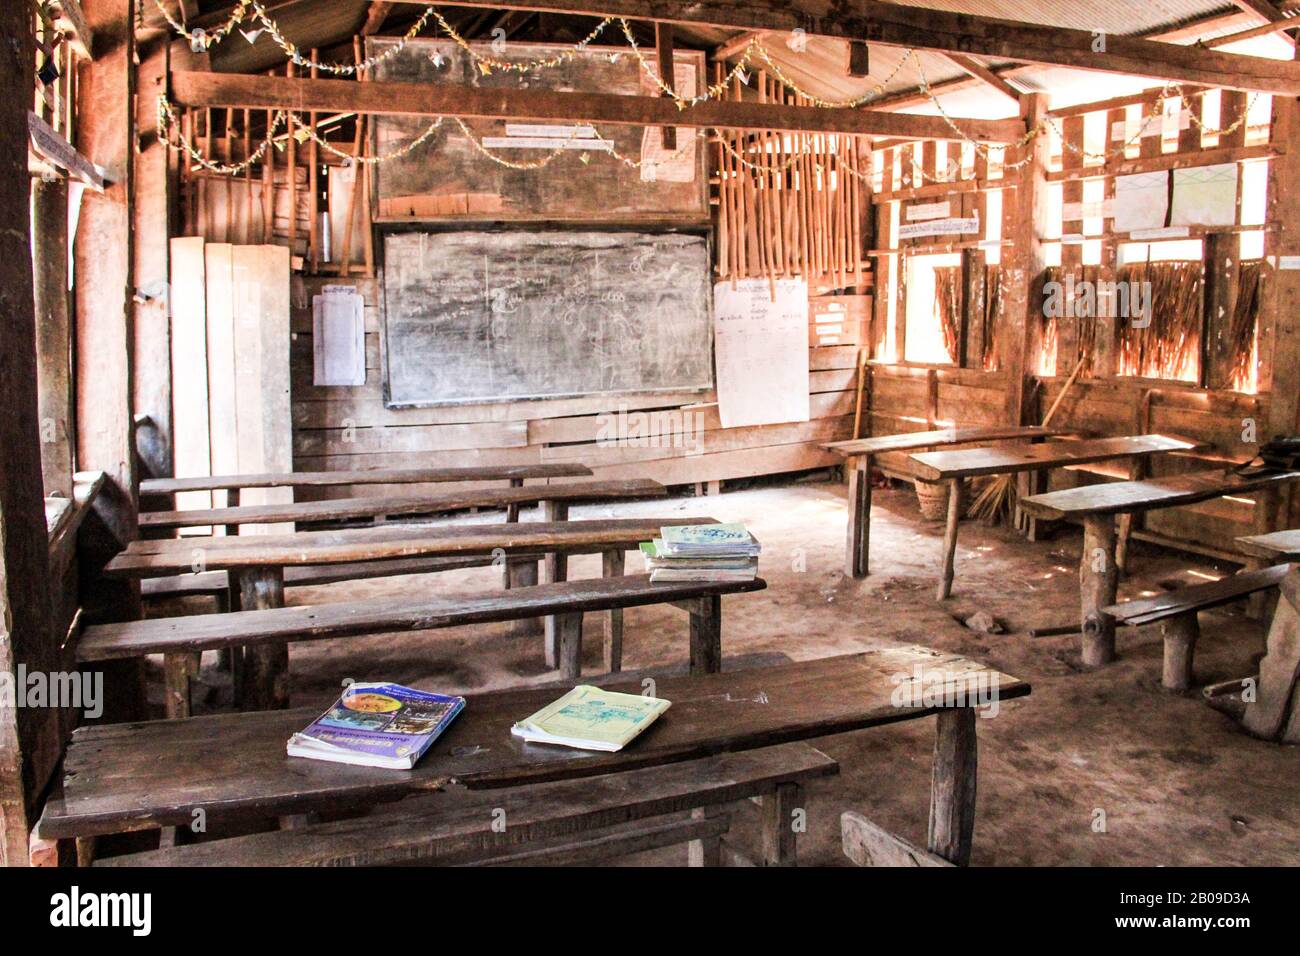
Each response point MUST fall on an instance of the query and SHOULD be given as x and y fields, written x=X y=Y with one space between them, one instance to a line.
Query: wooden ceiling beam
x=942 y=31
x=73 y=20
x=984 y=74
x=196 y=89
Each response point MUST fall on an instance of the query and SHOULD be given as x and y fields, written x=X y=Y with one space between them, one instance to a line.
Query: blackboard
x=474 y=317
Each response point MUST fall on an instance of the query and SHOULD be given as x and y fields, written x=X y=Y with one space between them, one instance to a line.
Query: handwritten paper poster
x=338 y=337
x=1205 y=196
x=761 y=348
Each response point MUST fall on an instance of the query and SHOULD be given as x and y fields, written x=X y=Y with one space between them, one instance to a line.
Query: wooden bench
x=1176 y=612
x=232 y=768
x=181 y=639
x=577 y=821
x=860 y=451
x=555 y=498
x=217 y=584
x=954 y=467
x=1097 y=507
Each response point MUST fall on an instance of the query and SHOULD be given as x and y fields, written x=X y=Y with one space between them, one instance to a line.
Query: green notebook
x=591 y=718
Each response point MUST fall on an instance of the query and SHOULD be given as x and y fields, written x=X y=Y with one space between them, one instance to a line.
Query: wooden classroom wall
x=350 y=428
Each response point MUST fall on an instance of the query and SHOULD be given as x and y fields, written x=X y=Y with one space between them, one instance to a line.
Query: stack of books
x=702 y=552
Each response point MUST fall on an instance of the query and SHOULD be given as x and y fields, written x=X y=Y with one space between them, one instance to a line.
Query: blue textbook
x=377 y=725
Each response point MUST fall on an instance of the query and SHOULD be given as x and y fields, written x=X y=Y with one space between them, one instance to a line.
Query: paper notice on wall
x=659 y=164
x=1141 y=201
x=1075 y=211
x=939 y=227
x=761 y=350
x=338 y=337
x=927 y=211
x=1205 y=196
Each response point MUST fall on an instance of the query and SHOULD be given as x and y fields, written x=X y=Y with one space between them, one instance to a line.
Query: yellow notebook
x=590 y=718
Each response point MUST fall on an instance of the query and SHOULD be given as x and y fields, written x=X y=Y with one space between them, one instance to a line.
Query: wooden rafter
x=240 y=91
x=921 y=28
x=73 y=20
x=982 y=72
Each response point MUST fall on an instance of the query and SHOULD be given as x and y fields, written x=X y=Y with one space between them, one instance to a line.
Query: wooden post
x=779 y=836
x=555 y=568
x=859 y=543
x=706 y=635
x=664 y=50
x=612 y=567
x=1098 y=583
x=264 y=677
x=178 y=669
x=952 y=785
x=30 y=741
x=1024 y=224
x=105 y=268
x=569 y=637
x=706 y=852
x=1180 y=634
x=950 y=538
x=154 y=177
x=53 y=333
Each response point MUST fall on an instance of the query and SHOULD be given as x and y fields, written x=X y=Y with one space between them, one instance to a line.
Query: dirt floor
x=1095 y=767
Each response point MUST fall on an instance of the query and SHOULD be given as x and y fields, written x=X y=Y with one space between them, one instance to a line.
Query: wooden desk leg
x=569 y=634
x=705 y=852
x=1098 y=584
x=1037 y=484
x=232 y=501
x=555 y=567
x=1265 y=518
x=859 y=543
x=950 y=538
x=706 y=635
x=512 y=510
x=778 y=809
x=1180 y=634
x=264 y=668
x=612 y=567
x=178 y=669
x=952 y=785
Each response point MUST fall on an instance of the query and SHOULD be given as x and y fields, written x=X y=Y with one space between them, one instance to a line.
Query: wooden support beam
x=664 y=56
x=73 y=19
x=30 y=737
x=205 y=90
x=892 y=24
x=375 y=17
x=982 y=72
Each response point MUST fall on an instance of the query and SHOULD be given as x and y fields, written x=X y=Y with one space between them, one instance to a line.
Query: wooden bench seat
x=569 y=821
x=375 y=476
x=182 y=639
x=1176 y=612
x=216 y=584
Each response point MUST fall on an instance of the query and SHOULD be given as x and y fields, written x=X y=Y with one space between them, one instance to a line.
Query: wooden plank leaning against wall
x=910 y=396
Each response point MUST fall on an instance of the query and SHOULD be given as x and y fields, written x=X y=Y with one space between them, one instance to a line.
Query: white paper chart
x=761 y=348
x=338 y=337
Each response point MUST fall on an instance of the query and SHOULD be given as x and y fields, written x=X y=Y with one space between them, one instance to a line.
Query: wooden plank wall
x=349 y=427
x=914 y=397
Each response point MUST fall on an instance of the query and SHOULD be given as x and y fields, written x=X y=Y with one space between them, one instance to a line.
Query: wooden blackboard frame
x=675 y=389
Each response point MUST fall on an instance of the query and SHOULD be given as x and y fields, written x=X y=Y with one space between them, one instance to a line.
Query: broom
x=998 y=497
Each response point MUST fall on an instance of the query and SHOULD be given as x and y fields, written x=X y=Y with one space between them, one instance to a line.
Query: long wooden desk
x=956 y=466
x=123 y=777
x=370 y=476
x=390 y=505
x=1097 y=507
x=860 y=451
